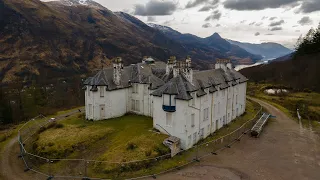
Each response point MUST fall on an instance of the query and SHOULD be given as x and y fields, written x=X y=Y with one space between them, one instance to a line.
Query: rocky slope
x=41 y=41
x=267 y=50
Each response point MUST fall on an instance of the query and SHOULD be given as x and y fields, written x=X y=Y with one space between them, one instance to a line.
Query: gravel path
x=284 y=151
x=12 y=168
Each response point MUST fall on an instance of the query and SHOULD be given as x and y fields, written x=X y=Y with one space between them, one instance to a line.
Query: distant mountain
x=49 y=40
x=214 y=43
x=285 y=58
x=267 y=50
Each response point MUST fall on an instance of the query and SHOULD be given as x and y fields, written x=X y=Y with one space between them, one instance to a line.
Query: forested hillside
x=301 y=72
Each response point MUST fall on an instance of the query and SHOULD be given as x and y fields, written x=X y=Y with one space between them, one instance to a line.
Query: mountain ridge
x=42 y=41
x=269 y=50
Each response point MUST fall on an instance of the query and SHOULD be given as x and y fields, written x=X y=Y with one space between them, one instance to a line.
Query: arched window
x=169 y=103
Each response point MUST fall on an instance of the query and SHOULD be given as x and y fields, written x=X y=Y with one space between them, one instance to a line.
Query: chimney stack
x=117 y=70
x=171 y=64
x=187 y=70
x=223 y=64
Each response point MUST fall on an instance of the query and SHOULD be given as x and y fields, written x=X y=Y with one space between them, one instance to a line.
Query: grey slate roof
x=155 y=75
x=178 y=86
x=137 y=73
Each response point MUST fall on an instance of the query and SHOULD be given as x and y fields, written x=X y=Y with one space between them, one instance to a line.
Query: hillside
x=214 y=42
x=267 y=50
x=42 y=41
x=300 y=72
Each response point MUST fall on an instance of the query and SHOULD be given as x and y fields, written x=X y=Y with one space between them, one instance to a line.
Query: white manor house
x=184 y=103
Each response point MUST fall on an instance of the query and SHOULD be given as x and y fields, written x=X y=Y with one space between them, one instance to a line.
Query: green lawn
x=122 y=139
x=308 y=103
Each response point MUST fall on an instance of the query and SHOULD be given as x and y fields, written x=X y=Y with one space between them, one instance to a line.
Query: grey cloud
x=259 y=24
x=297 y=30
x=155 y=8
x=208 y=8
x=206 y=25
x=272 y=18
x=309 y=6
x=257 y=34
x=243 y=21
x=218 y=25
x=277 y=23
x=151 y=19
x=216 y=15
x=195 y=3
x=269 y=34
x=305 y=21
x=252 y=23
x=243 y=5
x=276 y=29
x=264 y=17
x=295 y=26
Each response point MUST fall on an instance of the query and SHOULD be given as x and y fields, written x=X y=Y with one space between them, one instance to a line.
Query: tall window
x=219 y=107
x=208 y=129
x=137 y=105
x=169 y=119
x=90 y=109
x=189 y=140
x=88 y=91
x=236 y=99
x=134 y=88
x=101 y=91
x=206 y=114
x=192 y=120
x=215 y=109
x=133 y=105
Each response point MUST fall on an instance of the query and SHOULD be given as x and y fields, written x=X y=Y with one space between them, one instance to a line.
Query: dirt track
x=284 y=151
x=12 y=168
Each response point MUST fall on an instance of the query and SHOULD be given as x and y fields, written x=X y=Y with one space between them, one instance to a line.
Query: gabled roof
x=155 y=75
x=137 y=73
x=178 y=86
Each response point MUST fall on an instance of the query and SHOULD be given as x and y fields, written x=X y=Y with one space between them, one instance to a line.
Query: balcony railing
x=169 y=108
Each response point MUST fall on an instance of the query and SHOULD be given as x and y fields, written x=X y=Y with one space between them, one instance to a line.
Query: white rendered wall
x=115 y=103
x=181 y=119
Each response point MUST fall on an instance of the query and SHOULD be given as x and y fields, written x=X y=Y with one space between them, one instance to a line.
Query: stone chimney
x=187 y=70
x=117 y=70
x=222 y=64
x=171 y=64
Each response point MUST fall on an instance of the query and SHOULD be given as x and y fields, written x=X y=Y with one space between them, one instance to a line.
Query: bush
x=161 y=150
x=131 y=146
x=58 y=126
x=148 y=153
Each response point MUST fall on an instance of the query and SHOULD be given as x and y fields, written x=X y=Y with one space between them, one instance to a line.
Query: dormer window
x=101 y=91
x=169 y=103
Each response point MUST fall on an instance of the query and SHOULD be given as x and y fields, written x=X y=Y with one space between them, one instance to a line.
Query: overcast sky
x=255 y=21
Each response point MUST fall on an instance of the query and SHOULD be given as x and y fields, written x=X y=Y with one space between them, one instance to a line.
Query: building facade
x=184 y=103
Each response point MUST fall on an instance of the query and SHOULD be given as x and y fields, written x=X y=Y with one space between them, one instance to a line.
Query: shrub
x=148 y=153
x=41 y=130
x=58 y=126
x=161 y=150
x=131 y=146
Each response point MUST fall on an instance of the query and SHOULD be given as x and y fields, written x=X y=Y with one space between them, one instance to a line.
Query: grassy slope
x=289 y=103
x=108 y=141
